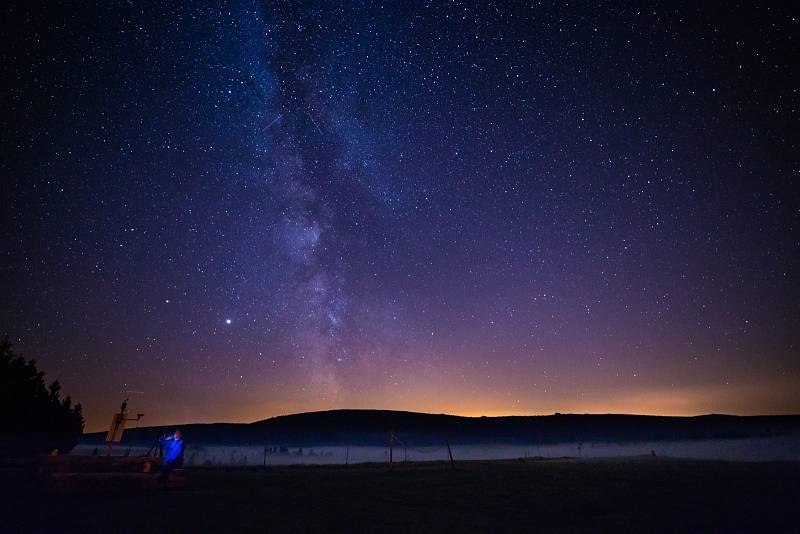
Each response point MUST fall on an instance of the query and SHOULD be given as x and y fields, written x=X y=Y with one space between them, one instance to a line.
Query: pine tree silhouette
x=33 y=416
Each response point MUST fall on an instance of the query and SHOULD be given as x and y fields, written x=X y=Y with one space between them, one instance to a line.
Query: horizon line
x=486 y=416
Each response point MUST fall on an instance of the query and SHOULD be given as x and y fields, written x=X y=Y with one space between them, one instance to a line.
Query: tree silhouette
x=33 y=417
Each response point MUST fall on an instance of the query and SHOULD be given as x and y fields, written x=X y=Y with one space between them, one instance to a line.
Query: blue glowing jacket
x=173 y=451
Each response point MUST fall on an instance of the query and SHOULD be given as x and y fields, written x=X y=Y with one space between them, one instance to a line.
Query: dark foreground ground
x=639 y=494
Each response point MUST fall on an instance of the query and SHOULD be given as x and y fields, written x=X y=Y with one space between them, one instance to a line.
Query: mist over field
x=780 y=448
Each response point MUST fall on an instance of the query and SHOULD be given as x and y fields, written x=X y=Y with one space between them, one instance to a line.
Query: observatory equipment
x=118 y=425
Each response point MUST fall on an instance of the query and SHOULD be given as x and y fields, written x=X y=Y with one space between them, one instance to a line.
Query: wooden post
x=265 y=456
x=391 y=451
x=347 y=456
x=450 y=454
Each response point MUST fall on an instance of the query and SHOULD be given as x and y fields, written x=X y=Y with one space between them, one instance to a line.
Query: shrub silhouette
x=33 y=417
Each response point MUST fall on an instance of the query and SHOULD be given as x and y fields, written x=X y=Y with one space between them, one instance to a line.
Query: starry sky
x=233 y=210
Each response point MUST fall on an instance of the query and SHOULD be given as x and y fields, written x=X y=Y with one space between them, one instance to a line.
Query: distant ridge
x=371 y=427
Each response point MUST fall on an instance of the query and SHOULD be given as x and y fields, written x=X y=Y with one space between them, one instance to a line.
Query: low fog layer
x=782 y=448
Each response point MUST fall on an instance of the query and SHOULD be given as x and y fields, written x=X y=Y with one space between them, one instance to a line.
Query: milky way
x=235 y=210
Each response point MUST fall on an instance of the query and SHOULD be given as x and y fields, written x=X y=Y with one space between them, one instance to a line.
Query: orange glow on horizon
x=742 y=400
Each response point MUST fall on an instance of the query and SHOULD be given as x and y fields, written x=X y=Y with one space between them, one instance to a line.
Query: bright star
x=227 y=321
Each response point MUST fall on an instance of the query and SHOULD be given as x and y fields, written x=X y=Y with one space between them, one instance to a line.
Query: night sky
x=237 y=210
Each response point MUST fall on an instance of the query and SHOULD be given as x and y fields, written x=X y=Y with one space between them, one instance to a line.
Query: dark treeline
x=371 y=427
x=33 y=416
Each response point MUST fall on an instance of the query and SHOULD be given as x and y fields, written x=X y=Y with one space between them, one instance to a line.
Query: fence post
x=450 y=454
x=390 y=451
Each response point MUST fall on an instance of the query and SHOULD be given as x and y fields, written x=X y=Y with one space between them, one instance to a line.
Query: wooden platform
x=75 y=472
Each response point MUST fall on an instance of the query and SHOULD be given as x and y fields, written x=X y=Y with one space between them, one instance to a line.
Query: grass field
x=633 y=494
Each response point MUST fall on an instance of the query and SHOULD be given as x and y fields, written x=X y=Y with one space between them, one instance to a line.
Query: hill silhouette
x=371 y=427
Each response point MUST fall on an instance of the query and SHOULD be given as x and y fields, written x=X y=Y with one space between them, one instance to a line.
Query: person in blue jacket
x=172 y=448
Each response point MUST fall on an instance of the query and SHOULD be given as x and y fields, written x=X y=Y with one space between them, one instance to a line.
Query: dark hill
x=371 y=427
